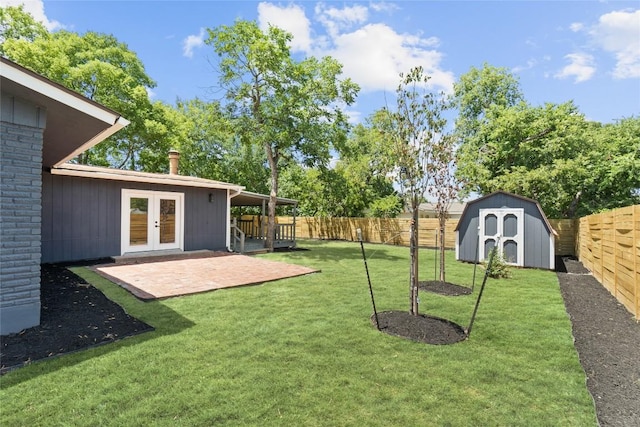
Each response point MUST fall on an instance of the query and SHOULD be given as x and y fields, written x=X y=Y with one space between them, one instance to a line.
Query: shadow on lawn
x=75 y=317
x=335 y=253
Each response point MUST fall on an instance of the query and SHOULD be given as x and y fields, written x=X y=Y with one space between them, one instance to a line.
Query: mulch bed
x=73 y=316
x=444 y=288
x=607 y=339
x=422 y=328
x=76 y=316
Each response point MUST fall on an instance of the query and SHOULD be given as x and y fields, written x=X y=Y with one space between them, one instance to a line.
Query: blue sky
x=585 y=51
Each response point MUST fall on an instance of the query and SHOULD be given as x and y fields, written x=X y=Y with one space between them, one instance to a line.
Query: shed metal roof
x=517 y=196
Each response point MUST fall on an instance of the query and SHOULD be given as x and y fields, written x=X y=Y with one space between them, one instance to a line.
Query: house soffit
x=74 y=123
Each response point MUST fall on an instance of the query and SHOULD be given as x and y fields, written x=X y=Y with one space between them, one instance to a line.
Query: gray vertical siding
x=537 y=249
x=468 y=236
x=21 y=131
x=81 y=217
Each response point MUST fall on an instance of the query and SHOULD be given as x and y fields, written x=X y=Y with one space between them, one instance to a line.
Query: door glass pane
x=138 y=221
x=488 y=245
x=167 y=221
x=510 y=225
x=510 y=251
x=490 y=225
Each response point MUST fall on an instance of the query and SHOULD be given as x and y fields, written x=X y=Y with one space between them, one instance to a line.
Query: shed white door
x=505 y=226
x=151 y=220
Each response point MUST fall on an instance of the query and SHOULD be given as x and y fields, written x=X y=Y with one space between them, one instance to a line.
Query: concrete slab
x=153 y=280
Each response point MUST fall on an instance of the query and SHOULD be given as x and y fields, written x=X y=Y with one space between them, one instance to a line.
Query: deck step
x=168 y=255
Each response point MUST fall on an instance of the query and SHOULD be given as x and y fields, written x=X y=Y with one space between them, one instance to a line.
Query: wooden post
x=635 y=221
x=262 y=235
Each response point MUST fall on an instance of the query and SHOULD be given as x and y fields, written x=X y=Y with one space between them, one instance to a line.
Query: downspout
x=230 y=195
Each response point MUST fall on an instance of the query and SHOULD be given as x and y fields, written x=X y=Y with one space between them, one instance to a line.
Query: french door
x=505 y=226
x=151 y=220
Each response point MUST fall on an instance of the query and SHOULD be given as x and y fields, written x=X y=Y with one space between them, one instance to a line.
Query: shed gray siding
x=537 y=250
x=21 y=133
x=81 y=217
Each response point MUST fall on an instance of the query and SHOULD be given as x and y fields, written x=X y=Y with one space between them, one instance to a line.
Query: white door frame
x=153 y=231
x=500 y=213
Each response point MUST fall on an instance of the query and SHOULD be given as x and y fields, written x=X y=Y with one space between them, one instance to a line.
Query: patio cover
x=247 y=198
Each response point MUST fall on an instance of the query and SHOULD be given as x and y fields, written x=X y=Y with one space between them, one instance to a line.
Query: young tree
x=445 y=189
x=414 y=130
x=288 y=107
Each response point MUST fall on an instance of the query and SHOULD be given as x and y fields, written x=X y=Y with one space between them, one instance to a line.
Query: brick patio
x=169 y=278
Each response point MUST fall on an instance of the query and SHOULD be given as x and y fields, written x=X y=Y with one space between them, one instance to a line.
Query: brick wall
x=20 y=224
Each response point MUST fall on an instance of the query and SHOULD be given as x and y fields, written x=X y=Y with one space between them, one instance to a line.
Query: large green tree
x=549 y=153
x=16 y=24
x=97 y=66
x=289 y=108
x=475 y=94
x=210 y=148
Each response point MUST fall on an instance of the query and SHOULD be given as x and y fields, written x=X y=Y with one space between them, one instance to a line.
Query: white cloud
x=530 y=64
x=383 y=6
x=290 y=18
x=36 y=9
x=372 y=54
x=580 y=66
x=619 y=33
x=336 y=20
x=576 y=26
x=192 y=42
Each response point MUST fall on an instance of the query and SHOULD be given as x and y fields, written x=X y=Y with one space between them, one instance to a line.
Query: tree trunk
x=442 y=222
x=273 y=195
x=413 y=248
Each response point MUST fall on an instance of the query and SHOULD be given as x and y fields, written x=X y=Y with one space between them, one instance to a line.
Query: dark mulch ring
x=74 y=316
x=423 y=328
x=607 y=339
x=443 y=288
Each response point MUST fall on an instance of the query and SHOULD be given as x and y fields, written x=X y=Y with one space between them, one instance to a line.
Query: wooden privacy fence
x=396 y=231
x=608 y=244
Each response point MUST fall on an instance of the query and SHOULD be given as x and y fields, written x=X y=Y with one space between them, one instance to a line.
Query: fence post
x=635 y=218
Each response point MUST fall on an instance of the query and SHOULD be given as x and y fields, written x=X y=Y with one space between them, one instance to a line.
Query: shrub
x=499 y=267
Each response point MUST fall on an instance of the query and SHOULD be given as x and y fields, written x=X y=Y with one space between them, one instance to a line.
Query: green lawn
x=303 y=352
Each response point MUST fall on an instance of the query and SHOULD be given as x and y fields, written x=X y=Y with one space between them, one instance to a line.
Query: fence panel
x=393 y=231
x=608 y=244
x=567 y=233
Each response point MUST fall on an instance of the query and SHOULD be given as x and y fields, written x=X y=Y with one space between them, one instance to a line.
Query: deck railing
x=237 y=237
x=285 y=232
x=246 y=226
x=246 y=231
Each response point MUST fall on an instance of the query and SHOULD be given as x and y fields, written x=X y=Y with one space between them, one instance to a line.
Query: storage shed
x=526 y=239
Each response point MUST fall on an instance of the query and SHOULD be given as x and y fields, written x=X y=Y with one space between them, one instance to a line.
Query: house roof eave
x=74 y=123
x=97 y=172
